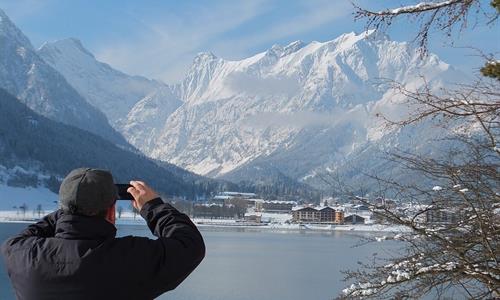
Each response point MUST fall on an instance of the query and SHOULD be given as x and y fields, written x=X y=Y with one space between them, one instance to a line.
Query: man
x=72 y=253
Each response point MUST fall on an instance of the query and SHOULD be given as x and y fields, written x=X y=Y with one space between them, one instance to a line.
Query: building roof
x=299 y=208
x=280 y=202
x=222 y=197
x=352 y=215
x=326 y=208
x=236 y=194
x=317 y=208
x=208 y=204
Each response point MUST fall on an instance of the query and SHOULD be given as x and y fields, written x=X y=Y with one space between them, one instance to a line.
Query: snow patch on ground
x=11 y=197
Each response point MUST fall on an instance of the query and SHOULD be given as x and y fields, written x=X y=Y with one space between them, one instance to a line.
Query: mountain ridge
x=109 y=90
x=302 y=108
x=24 y=74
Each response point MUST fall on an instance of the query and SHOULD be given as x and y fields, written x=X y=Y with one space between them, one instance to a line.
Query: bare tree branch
x=443 y=16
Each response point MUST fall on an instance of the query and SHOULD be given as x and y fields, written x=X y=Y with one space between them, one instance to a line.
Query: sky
x=159 y=39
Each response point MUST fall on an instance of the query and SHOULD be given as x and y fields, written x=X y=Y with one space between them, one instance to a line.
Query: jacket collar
x=76 y=227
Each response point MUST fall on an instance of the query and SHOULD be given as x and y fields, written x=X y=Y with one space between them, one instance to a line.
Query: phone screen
x=122 y=192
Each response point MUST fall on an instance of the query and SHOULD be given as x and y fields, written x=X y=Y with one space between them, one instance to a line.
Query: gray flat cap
x=87 y=191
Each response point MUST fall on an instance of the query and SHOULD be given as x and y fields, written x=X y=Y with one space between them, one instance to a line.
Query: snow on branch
x=420 y=7
x=441 y=15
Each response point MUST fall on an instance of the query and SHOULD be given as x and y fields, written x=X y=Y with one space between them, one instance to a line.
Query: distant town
x=247 y=209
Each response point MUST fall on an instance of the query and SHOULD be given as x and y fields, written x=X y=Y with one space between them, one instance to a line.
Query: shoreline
x=375 y=228
x=232 y=224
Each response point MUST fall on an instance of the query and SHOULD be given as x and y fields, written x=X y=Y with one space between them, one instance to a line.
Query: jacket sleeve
x=178 y=250
x=44 y=228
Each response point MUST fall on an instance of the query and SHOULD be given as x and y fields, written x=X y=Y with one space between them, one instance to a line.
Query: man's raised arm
x=179 y=248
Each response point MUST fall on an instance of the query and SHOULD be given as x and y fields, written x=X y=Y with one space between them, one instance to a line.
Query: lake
x=255 y=264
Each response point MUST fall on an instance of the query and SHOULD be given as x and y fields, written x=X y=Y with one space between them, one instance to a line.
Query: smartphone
x=122 y=191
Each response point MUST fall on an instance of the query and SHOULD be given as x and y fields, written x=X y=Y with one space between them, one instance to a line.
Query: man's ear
x=110 y=214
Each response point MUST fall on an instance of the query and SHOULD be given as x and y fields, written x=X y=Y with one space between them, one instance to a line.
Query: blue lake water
x=253 y=264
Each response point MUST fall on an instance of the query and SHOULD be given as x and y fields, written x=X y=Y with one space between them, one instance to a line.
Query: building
x=235 y=198
x=325 y=214
x=354 y=219
x=274 y=206
x=339 y=217
x=228 y=195
x=441 y=216
x=253 y=218
x=241 y=202
x=217 y=211
x=306 y=214
x=384 y=203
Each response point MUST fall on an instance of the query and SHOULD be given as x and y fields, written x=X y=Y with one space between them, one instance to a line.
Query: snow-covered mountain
x=293 y=112
x=144 y=121
x=25 y=75
x=297 y=109
x=109 y=90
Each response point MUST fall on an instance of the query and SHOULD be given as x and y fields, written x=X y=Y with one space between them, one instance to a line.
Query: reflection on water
x=251 y=263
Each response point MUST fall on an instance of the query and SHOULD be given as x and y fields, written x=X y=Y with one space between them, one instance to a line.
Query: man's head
x=89 y=192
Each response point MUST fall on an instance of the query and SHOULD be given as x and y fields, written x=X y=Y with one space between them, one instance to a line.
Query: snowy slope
x=36 y=151
x=25 y=75
x=109 y=90
x=296 y=108
x=143 y=122
x=11 y=197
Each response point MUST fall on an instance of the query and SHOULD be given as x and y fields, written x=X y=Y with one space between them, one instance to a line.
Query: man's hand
x=142 y=193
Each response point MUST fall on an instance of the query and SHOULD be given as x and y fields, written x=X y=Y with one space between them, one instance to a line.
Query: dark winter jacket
x=78 y=257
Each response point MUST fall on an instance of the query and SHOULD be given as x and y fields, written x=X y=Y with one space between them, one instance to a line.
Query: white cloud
x=303 y=119
x=166 y=48
x=169 y=46
x=314 y=15
x=265 y=86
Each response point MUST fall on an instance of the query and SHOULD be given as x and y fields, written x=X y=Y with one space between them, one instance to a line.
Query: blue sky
x=158 y=39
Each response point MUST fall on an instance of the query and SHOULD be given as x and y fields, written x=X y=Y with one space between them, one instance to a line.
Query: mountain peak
x=375 y=34
x=108 y=89
x=280 y=51
x=371 y=34
x=275 y=51
x=70 y=42
x=3 y=15
x=5 y=21
x=293 y=47
x=276 y=47
x=204 y=56
x=347 y=40
x=67 y=46
x=8 y=29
